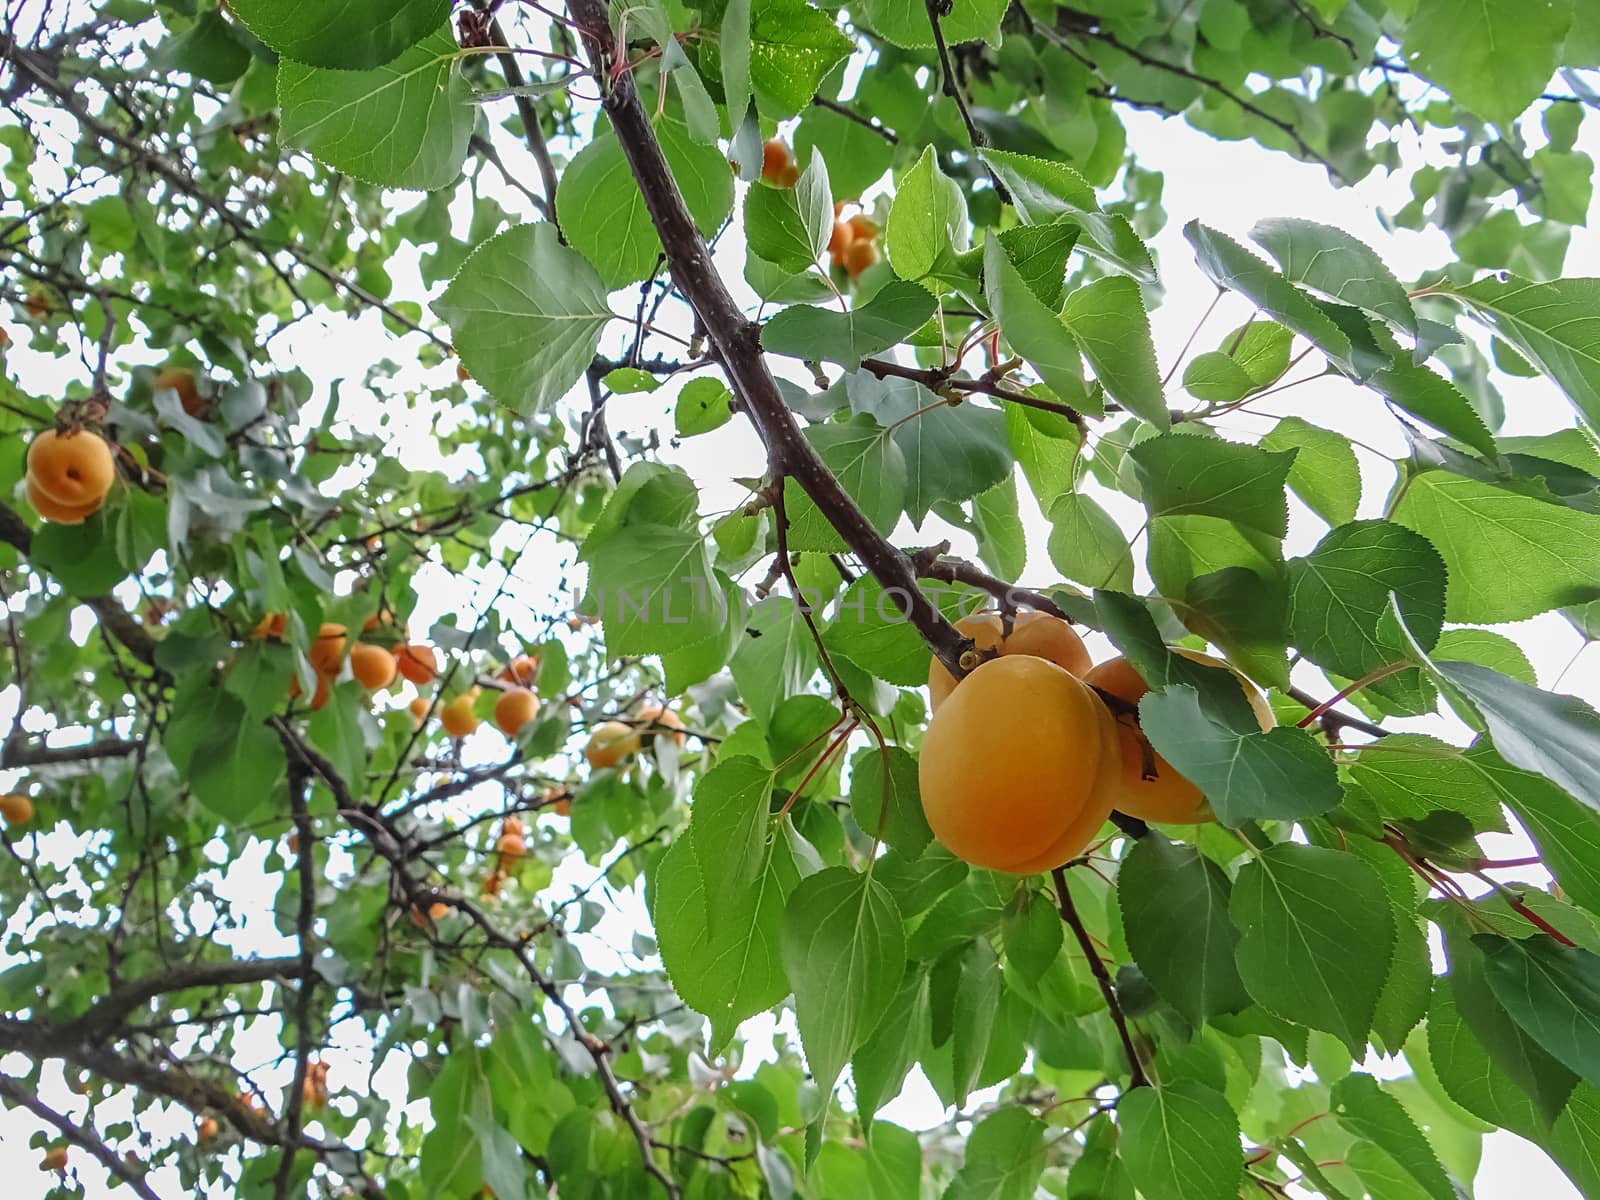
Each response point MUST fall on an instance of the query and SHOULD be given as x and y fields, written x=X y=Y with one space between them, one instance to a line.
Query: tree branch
x=122 y=1002
x=931 y=563
x=1097 y=967
x=532 y=132
x=78 y=1136
x=850 y=114
x=304 y=922
x=937 y=10
x=736 y=342
x=941 y=379
x=17 y=754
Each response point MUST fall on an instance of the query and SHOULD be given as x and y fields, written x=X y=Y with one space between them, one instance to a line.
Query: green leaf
x=1341 y=267
x=973 y=1019
x=1244 y=613
x=81 y=558
x=1369 y=1112
x=1216 y=378
x=871 y=467
x=791 y=226
x=889 y=773
x=1180 y=1141
x=1552 y=992
x=880 y=1065
x=997 y=524
x=404 y=124
x=1573 y=1140
x=1031 y=934
x=792 y=46
x=857 y=157
x=1044 y=191
x=1005 y=1156
x=928 y=219
x=1184 y=474
x=952 y=453
x=356 y=35
x=1339 y=593
x=1039 y=253
x=1316 y=934
x=844 y=950
x=526 y=314
x=1046 y=448
x=653 y=590
x=1175 y=915
x=733 y=51
x=805 y=331
x=1283 y=774
x=1566 y=833
x=238 y=766
x=703 y=405
x=1229 y=265
x=1509 y=556
x=1430 y=397
x=1552 y=735
x=339 y=729
x=1494 y=57
x=730 y=826
x=1324 y=474
x=1034 y=331
x=1410 y=775
x=1553 y=324
x=733 y=970
x=1467 y=1073
x=1108 y=319
x=903 y=23
x=1087 y=545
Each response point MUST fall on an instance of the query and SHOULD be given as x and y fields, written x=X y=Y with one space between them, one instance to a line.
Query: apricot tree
x=484 y=485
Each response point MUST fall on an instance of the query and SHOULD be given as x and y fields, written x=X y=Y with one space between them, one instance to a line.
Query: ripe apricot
x=436 y=910
x=610 y=743
x=37 y=304
x=373 y=666
x=511 y=845
x=72 y=468
x=57 y=512
x=523 y=669
x=417 y=663
x=270 y=626
x=55 y=1159
x=1167 y=797
x=327 y=651
x=1035 y=633
x=205 y=1130
x=859 y=255
x=419 y=709
x=515 y=708
x=562 y=807
x=843 y=234
x=492 y=882
x=17 y=810
x=318 y=697
x=513 y=825
x=462 y=374
x=662 y=718
x=457 y=716
x=1013 y=769
x=775 y=159
x=182 y=381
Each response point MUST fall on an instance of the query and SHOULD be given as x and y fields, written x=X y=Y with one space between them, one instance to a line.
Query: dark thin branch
x=122 y=1002
x=931 y=563
x=305 y=921
x=1332 y=719
x=1318 y=29
x=736 y=342
x=532 y=131
x=78 y=1136
x=937 y=11
x=943 y=379
x=850 y=114
x=17 y=754
x=1097 y=967
x=780 y=524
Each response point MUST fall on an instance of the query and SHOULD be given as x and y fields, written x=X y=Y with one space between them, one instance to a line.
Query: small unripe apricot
x=417 y=663
x=515 y=708
x=654 y=714
x=17 y=810
x=1014 y=769
x=1035 y=633
x=57 y=513
x=1149 y=787
x=462 y=374
x=373 y=666
x=775 y=159
x=327 y=651
x=562 y=807
x=610 y=743
x=182 y=381
x=72 y=468
x=457 y=716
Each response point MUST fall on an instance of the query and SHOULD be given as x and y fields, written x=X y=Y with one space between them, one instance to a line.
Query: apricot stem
x=1097 y=967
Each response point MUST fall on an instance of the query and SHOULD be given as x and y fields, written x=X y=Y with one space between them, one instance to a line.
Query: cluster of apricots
x=69 y=474
x=853 y=246
x=16 y=809
x=777 y=164
x=1025 y=794
x=612 y=741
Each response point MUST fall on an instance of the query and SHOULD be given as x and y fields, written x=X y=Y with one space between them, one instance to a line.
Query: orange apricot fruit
x=72 y=468
x=1035 y=633
x=182 y=381
x=523 y=669
x=327 y=651
x=205 y=1130
x=843 y=234
x=419 y=709
x=17 y=810
x=1164 y=796
x=373 y=666
x=1013 y=769
x=270 y=626
x=775 y=159
x=54 y=511
x=515 y=708
x=55 y=1159
x=562 y=807
x=457 y=716
x=37 y=304
x=663 y=719
x=610 y=743
x=419 y=664
x=859 y=255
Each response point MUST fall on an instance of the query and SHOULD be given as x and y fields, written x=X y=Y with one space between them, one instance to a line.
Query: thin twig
x=1097 y=967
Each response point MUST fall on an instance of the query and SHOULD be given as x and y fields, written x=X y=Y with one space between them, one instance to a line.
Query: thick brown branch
x=78 y=1136
x=103 y=1018
x=737 y=344
x=1097 y=968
